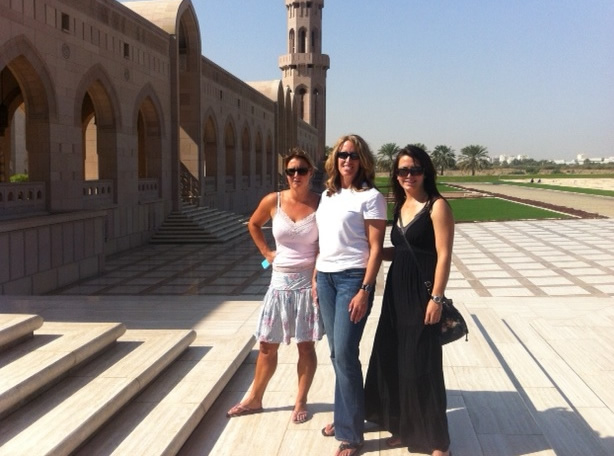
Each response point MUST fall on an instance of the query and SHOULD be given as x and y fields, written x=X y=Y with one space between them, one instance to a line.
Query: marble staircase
x=100 y=388
x=200 y=225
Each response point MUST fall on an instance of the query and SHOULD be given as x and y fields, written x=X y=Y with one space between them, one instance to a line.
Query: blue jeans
x=335 y=291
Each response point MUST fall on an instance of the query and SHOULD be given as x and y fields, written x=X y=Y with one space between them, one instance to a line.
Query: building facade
x=111 y=118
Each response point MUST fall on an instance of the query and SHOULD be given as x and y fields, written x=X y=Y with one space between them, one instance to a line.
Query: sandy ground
x=575 y=203
x=601 y=184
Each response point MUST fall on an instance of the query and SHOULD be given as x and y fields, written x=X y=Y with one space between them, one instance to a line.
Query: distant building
x=117 y=118
x=511 y=158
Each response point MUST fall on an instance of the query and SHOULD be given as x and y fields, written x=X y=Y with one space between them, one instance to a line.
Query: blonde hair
x=365 y=177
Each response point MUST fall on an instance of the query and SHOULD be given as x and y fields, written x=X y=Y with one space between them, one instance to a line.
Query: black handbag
x=453 y=325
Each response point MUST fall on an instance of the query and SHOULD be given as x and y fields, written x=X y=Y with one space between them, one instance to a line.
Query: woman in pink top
x=288 y=308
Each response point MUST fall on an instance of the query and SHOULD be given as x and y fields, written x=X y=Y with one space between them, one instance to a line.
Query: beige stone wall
x=158 y=113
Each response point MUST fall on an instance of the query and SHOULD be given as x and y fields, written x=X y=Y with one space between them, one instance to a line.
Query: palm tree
x=443 y=157
x=385 y=156
x=474 y=157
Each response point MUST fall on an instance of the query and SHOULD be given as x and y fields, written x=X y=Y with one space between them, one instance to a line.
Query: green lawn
x=494 y=209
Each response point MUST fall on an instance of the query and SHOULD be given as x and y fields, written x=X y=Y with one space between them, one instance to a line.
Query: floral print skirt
x=288 y=310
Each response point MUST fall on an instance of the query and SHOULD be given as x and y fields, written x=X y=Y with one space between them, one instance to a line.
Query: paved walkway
x=535 y=377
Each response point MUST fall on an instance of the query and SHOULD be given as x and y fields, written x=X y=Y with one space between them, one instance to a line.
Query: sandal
x=242 y=410
x=394 y=442
x=300 y=416
x=353 y=447
x=329 y=430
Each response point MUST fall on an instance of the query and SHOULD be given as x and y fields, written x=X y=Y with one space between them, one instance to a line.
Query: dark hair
x=297 y=152
x=365 y=177
x=430 y=175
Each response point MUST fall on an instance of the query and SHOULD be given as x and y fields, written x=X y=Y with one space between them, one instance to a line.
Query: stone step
x=16 y=327
x=40 y=361
x=199 y=225
x=160 y=420
x=70 y=412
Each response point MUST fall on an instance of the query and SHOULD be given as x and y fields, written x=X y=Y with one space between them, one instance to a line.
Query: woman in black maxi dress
x=404 y=390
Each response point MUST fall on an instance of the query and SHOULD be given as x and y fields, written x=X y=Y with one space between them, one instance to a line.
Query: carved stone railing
x=149 y=189
x=98 y=193
x=22 y=197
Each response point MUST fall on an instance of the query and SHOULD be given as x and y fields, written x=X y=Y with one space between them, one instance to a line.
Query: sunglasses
x=413 y=171
x=346 y=155
x=301 y=171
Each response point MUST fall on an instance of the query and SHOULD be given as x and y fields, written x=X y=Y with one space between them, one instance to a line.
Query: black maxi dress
x=404 y=387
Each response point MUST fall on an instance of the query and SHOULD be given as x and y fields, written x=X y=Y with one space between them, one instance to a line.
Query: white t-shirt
x=341 y=226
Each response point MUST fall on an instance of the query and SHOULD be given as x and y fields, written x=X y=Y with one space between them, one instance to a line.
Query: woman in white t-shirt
x=351 y=223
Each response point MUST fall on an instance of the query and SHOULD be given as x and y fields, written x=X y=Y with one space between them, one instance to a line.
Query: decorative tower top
x=304 y=66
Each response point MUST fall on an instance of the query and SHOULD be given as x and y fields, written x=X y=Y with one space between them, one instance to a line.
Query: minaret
x=304 y=66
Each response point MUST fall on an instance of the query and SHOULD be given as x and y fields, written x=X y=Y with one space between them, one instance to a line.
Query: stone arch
x=260 y=170
x=210 y=146
x=27 y=84
x=97 y=83
x=148 y=126
x=230 y=153
x=97 y=114
x=34 y=77
x=148 y=92
x=187 y=31
x=291 y=42
x=149 y=140
x=191 y=160
x=302 y=100
x=302 y=40
x=315 y=40
x=246 y=155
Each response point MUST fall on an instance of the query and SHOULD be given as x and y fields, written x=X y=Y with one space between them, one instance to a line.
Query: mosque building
x=111 y=119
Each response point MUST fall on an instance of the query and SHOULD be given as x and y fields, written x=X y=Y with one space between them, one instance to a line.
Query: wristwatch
x=436 y=299
x=367 y=287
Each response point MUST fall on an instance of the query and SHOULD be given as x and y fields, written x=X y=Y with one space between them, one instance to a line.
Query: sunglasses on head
x=413 y=171
x=301 y=171
x=346 y=155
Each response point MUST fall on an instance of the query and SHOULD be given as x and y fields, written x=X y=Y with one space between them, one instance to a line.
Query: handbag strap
x=427 y=283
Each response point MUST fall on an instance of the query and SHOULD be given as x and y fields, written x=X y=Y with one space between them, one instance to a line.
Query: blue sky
x=532 y=77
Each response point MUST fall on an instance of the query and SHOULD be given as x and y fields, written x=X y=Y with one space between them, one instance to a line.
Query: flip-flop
x=242 y=410
x=394 y=442
x=353 y=447
x=329 y=430
x=300 y=416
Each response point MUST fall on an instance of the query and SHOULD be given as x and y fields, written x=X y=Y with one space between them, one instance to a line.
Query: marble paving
x=535 y=377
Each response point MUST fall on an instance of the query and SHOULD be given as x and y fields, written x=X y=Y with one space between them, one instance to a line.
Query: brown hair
x=297 y=152
x=365 y=177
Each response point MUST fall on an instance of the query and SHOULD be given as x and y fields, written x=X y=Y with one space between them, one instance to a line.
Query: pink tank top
x=296 y=242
